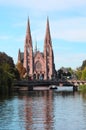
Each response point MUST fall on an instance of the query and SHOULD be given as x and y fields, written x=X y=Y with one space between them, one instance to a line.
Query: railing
x=30 y=84
x=42 y=83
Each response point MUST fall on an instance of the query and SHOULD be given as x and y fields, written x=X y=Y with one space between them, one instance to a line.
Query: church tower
x=48 y=54
x=28 y=51
x=38 y=65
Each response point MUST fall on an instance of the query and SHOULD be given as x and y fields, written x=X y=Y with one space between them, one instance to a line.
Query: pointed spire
x=47 y=35
x=19 y=56
x=48 y=28
x=28 y=27
x=28 y=34
x=35 y=47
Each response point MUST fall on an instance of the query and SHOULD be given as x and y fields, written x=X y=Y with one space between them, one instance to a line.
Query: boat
x=53 y=87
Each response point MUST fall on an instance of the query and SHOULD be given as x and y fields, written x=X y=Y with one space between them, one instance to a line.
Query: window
x=38 y=66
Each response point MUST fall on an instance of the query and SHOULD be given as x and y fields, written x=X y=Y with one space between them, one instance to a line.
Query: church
x=38 y=65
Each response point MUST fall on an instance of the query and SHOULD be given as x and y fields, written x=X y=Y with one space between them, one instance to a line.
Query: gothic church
x=38 y=65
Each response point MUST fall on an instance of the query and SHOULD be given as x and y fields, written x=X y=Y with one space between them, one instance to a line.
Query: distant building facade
x=39 y=65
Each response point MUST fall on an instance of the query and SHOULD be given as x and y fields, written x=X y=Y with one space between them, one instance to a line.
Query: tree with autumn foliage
x=21 y=69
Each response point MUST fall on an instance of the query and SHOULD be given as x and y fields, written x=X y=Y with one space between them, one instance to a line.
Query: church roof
x=41 y=53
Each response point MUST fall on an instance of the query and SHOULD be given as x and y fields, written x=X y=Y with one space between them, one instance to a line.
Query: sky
x=67 y=19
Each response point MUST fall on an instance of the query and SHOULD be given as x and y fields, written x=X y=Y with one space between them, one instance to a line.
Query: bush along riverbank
x=82 y=87
x=8 y=73
x=5 y=81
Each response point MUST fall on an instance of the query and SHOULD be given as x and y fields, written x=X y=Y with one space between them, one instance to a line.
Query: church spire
x=47 y=35
x=28 y=51
x=48 y=53
x=28 y=34
x=28 y=27
x=35 y=50
x=19 y=56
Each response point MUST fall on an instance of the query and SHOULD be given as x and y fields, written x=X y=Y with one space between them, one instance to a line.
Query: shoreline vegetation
x=8 y=73
x=82 y=88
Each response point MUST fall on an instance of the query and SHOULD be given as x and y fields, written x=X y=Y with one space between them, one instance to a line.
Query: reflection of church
x=38 y=65
x=38 y=110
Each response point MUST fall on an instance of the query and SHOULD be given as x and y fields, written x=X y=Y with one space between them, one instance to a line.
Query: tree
x=5 y=81
x=79 y=74
x=4 y=58
x=8 y=72
x=65 y=73
x=21 y=69
x=81 y=71
x=83 y=65
x=70 y=70
x=60 y=73
x=83 y=77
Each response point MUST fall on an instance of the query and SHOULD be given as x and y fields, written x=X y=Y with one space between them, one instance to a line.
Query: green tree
x=8 y=72
x=79 y=74
x=83 y=65
x=4 y=58
x=83 y=77
x=5 y=81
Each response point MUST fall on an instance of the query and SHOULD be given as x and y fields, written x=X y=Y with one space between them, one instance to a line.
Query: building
x=39 y=65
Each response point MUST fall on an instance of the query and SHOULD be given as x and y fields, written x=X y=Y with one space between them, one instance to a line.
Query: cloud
x=69 y=29
x=5 y=37
x=19 y=24
x=20 y=39
x=63 y=27
x=45 y=5
x=11 y=38
x=64 y=60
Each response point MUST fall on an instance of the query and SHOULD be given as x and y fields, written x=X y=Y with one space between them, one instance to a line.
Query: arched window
x=38 y=66
x=34 y=76
x=42 y=76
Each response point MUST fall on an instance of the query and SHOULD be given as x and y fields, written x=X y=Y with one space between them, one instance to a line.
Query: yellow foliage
x=21 y=69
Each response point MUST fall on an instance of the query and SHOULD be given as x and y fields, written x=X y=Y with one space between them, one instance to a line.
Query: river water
x=43 y=110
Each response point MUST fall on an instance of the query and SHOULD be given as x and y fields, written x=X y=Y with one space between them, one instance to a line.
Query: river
x=43 y=110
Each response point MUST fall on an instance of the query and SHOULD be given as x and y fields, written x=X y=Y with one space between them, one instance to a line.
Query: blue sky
x=67 y=24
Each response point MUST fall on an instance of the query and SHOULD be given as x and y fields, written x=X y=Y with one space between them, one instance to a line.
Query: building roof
x=41 y=53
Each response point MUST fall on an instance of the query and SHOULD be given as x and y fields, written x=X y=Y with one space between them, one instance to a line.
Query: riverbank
x=82 y=88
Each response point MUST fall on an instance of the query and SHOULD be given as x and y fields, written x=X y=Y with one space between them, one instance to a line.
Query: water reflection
x=38 y=111
x=83 y=93
x=43 y=110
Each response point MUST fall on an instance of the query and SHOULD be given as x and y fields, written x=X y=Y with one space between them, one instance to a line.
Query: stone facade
x=39 y=65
